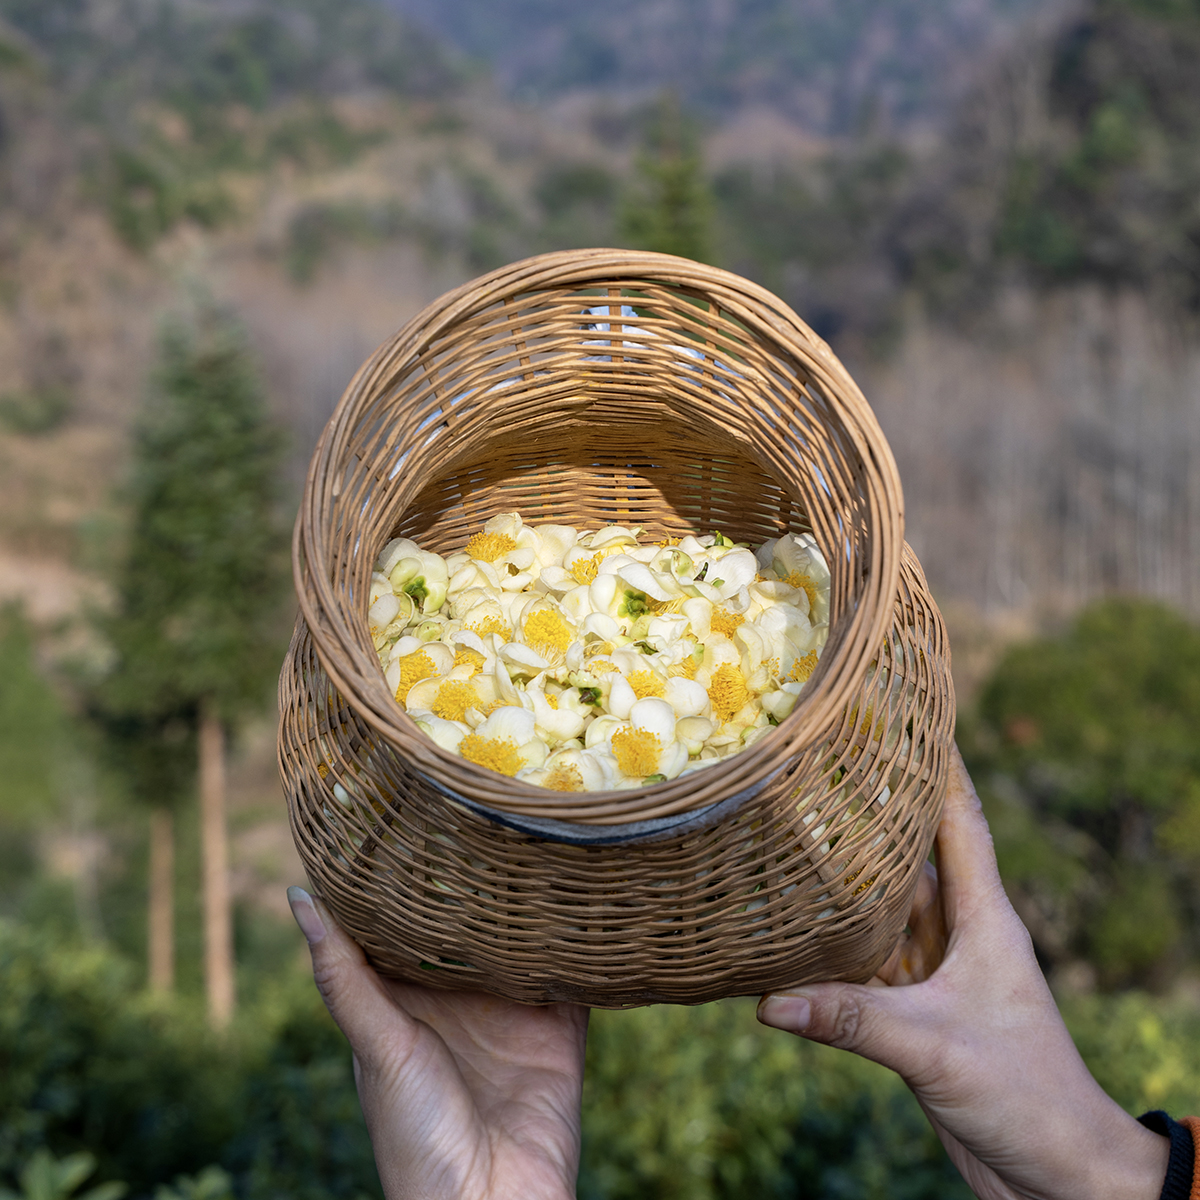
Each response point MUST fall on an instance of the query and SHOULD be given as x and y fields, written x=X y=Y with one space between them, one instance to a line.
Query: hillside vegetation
x=833 y=67
x=1012 y=277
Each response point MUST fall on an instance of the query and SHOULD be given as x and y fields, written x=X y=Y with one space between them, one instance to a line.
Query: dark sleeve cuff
x=1181 y=1165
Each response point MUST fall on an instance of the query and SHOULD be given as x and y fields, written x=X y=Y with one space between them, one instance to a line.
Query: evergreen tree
x=670 y=209
x=196 y=628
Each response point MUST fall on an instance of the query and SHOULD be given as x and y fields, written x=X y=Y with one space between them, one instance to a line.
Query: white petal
x=555 y=579
x=672 y=760
x=601 y=729
x=736 y=569
x=394 y=551
x=779 y=704
x=639 y=577
x=601 y=625
x=533 y=752
x=440 y=655
x=422 y=695
x=621 y=697
x=507 y=525
x=668 y=628
x=515 y=724
x=786 y=621
x=602 y=594
x=447 y=734
x=686 y=697
x=380 y=586
x=755 y=646
x=577 y=603
x=466 y=577
x=693 y=732
x=612 y=535
x=392 y=676
x=464 y=637
x=503 y=683
x=556 y=540
x=522 y=657
x=383 y=611
x=656 y=717
x=698 y=612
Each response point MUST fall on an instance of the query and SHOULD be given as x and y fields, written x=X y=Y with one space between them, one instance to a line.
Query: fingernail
x=306 y=915
x=791 y=1013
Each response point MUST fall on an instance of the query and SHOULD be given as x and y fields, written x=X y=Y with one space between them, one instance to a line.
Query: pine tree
x=196 y=627
x=670 y=209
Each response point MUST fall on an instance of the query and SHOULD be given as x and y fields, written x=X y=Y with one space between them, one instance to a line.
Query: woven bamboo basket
x=586 y=388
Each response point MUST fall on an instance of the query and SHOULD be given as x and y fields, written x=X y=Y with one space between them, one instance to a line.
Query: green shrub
x=41 y=410
x=1086 y=754
x=706 y=1104
x=90 y=1064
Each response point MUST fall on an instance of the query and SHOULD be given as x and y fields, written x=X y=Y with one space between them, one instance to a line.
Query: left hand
x=467 y=1096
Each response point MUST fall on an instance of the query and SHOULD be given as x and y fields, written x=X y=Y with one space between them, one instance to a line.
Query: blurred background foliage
x=989 y=208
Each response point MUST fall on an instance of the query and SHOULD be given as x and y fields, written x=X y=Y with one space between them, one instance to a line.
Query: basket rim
x=344 y=650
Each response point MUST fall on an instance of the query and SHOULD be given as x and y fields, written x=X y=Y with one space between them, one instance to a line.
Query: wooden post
x=218 y=913
x=161 y=917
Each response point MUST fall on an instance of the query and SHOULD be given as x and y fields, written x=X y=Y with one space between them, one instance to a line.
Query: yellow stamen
x=453 y=699
x=602 y=666
x=466 y=657
x=862 y=887
x=686 y=667
x=564 y=778
x=865 y=728
x=487 y=547
x=647 y=683
x=497 y=754
x=323 y=770
x=586 y=569
x=636 y=750
x=491 y=625
x=728 y=691
x=668 y=541
x=723 y=621
x=803 y=668
x=545 y=631
x=413 y=668
x=806 y=584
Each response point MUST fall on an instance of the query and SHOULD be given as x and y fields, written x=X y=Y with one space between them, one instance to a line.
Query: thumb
x=354 y=994
x=874 y=1022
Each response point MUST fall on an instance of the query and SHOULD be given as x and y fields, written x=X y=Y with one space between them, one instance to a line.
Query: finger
x=965 y=854
x=356 y=997
x=920 y=949
x=877 y=1023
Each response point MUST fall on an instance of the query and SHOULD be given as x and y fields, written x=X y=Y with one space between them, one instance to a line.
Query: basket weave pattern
x=713 y=407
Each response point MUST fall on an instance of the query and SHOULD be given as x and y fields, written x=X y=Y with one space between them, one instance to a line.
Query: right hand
x=962 y=1013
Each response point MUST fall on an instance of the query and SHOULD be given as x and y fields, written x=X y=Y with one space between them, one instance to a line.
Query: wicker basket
x=584 y=388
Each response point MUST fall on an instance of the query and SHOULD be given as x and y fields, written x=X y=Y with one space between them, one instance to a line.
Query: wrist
x=1125 y=1160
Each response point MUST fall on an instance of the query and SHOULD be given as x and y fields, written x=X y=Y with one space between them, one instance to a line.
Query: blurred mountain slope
x=830 y=65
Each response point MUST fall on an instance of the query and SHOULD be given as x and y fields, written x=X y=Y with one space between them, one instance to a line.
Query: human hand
x=962 y=1013
x=466 y=1096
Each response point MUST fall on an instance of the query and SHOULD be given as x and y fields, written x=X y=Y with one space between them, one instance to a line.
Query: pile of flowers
x=590 y=661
